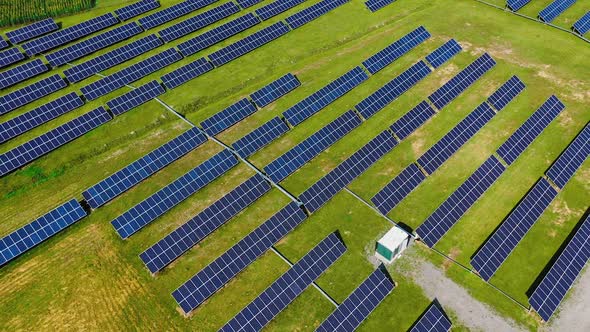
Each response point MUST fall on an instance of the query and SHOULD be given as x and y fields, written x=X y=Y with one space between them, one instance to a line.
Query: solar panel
x=533 y=126
x=142 y=168
x=189 y=234
x=248 y=3
x=32 y=31
x=394 y=51
x=433 y=320
x=313 y=12
x=64 y=36
x=30 y=235
x=563 y=273
x=461 y=200
x=10 y=56
x=177 y=191
x=555 y=9
x=276 y=7
x=400 y=187
x=412 y=120
x=571 y=159
x=218 y=34
x=209 y=280
x=260 y=137
x=515 y=5
x=375 y=5
x=432 y=159
x=497 y=248
x=51 y=140
x=359 y=304
x=173 y=12
x=228 y=117
x=136 y=9
x=444 y=53
x=302 y=153
x=186 y=73
x=130 y=74
x=248 y=44
x=392 y=89
x=287 y=287
x=275 y=90
x=198 y=22
x=31 y=93
x=112 y=58
x=22 y=73
x=93 y=44
x=328 y=186
x=135 y=97
x=38 y=116
x=453 y=88
x=506 y=93
x=582 y=26
x=325 y=96
x=3 y=43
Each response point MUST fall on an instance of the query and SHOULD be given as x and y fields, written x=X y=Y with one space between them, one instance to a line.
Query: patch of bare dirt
x=563 y=212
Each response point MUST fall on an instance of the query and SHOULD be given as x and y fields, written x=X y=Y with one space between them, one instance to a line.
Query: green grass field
x=86 y=277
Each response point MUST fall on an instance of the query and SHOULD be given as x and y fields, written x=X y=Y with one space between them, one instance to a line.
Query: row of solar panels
x=553 y=10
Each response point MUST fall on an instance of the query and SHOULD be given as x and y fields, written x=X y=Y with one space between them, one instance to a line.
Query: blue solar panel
x=526 y=134
x=198 y=22
x=186 y=73
x=555 y=9
x=218 y=34
x=247 y=3
x=228 y=117
x=412 y=120
x=10 y=56
x=563 y=273
x=453 y=88
x=375 y=5
x=260 y=137
x=31 y=93
x=135 y=97
x=432 y=159
x=166 y=198
x=173 y=12
x=571 y=159
x=506 y=93
x=328 y=186
x=189 y=234
x=32 y=31
x=142 y=168
x=515 y=5
x=325 y=96
x=433 y=320
x=3 y=43
x=136 y=9
x=38 y=116
x=400 y=187
x=112 y=58
x=303 y=152
x=248 y=44
x=444 y=53
x=275 y=90
x=313 y=12
x=394 y=51
x=359 y=304
x=93 y=44
x=461 y=200
x=130 y=74
x=209 y=280
x=64 y=36
x=287 y=287
x=41 y=145
x=392 y=89
x=497 y=248
x=582 y=25
x=22 y=73
x=276 y=7
x=30 y=235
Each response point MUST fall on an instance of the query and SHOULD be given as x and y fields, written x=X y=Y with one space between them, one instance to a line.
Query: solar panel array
x=30 y=93
x=325 y=96
x=582 y=26
x=394 y=51
x=136 y=9
x=142 y=168
x=461 y=200
x=38 y=116
x=135 y=97
x=433 y=320
x=563 y=273
x=186 y=73
x=322 y=191
x=442 y=54
x=412 y=120
x=173 y=245
x=312 y=12
x=287 y=287
x=172 y=13
x=112 y=58
x=248 y=44
x=248 y=3
x=260 y=137
x=30 y=235
x=275 y=90
x=32 y=31
x=515 y=5
x=392 y=89
x=3 y=43
x=35 y=148
x=300 y=154
x=572 y=158
x=22 y=73
x=453 y=88
x=10 y=56
x=533 y=126
x=228 y=117
x=276 y=7
x=506 y=93
x=359 y=304
x=209 y=280
x=375 y=5
x=497 y=248
x=400 y=187
x=555 y=9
